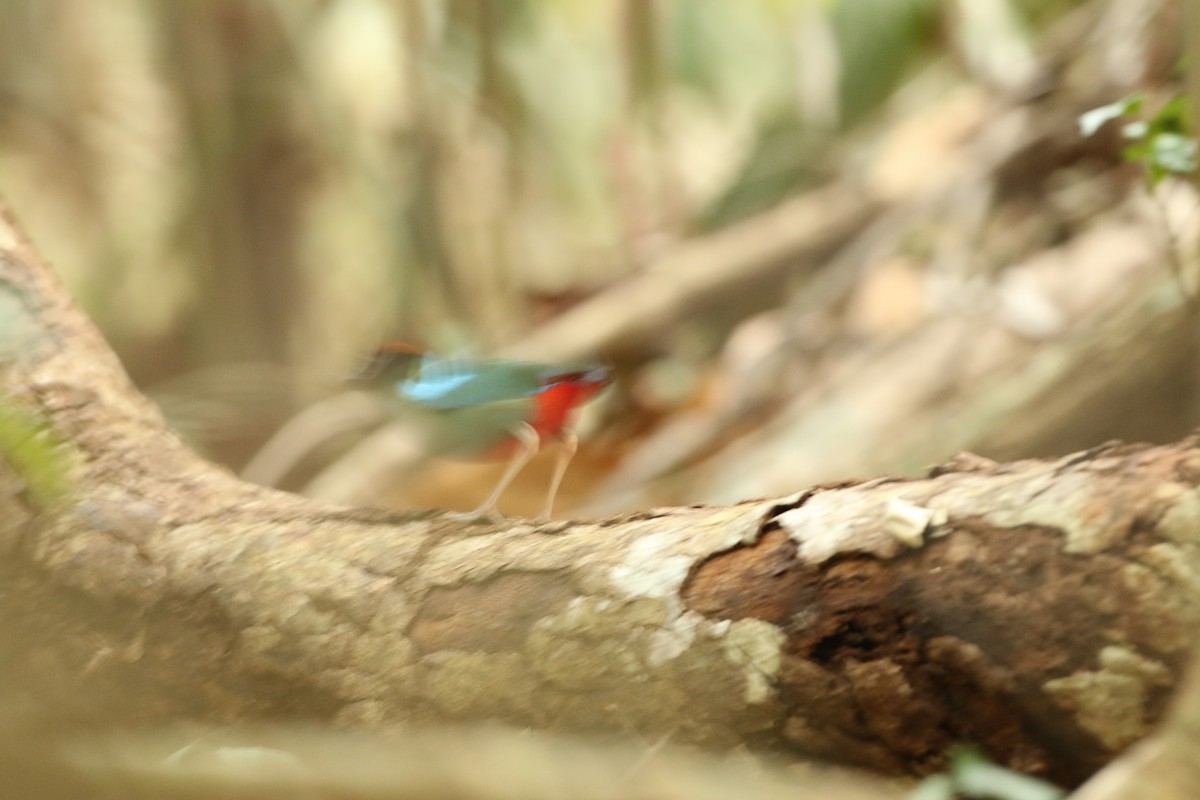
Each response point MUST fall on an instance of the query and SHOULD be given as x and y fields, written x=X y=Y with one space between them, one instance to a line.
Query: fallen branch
x=1042 y=608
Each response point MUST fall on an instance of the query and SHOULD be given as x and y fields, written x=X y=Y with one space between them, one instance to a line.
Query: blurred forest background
x=814 y=239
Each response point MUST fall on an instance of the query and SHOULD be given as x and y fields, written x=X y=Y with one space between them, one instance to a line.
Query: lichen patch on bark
x=755 y=646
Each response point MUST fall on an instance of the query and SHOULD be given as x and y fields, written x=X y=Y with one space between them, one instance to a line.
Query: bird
x=485 y=408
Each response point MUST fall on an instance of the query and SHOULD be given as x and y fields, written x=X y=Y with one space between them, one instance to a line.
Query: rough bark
x=1162 y=767
x=1042 y=608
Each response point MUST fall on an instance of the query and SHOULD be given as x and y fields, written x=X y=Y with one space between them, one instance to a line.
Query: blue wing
x=447 y=384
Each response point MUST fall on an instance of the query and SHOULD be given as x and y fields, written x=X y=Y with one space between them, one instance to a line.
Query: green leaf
x=1174 y=117
x=1135 y=130
x=35 y=455
x=1163 y=144
x=1092 y=121
x=975 y=776
x=1174 y=153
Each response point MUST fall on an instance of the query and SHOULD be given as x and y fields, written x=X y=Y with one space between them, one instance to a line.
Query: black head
x=391 y=362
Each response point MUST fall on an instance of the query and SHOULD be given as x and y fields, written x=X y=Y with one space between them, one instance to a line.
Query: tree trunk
x=1042 y=609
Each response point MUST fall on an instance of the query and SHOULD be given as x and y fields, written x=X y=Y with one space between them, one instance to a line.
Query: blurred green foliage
x=36 y=456
x=971 y=775
x=1163 y=143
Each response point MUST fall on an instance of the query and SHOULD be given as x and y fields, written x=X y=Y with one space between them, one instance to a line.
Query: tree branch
x=1040 y=608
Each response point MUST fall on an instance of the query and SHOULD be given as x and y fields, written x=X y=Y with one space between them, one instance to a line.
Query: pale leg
x=568 y=442
x=528 y=442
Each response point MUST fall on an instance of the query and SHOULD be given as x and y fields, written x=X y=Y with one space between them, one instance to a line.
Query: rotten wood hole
x=867 y=643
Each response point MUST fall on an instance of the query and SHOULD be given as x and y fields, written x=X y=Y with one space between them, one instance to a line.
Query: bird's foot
x=483 y=513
